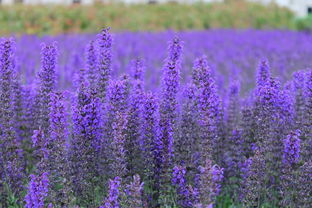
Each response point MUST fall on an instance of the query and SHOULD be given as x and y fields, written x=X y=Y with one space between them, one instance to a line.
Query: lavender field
x=197 y=119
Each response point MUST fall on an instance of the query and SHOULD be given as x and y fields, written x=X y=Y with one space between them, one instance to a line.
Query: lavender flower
x=307 y=132
x=209 y=183
x=117 y=97
x=304 y=185
x=138 y=69
x=17 y=106
x=187 y=143
x=233 y=108
x=270 y=128
x=112 y=200
x=118 y=165
x=134 y=193
x=37 y=191
x=292 y=148
x=117 y=106
x=7 y=96
x=9 y=145
x=152 y=145
x=168 y=107
x=59 y=169
x=233 y=160
x=27 y=116
x=248 y=126
x=185 y=197
x=41 y=153
x=83 y=147
x=118 y=130
x=254 y=181
x=133 y=141
x=263 y=73
x=91 y=64
x=200 y=65
x=47 y=84
x=104 y=41
x=209 y=110
x=299 y=82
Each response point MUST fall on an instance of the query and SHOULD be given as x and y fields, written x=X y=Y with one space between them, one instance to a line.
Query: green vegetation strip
x=50 y=19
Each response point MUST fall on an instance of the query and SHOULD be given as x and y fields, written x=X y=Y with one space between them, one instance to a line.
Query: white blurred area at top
x=299 y=7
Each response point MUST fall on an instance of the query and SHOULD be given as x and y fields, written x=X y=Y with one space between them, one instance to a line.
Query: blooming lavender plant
x=138 y=69
x=263 y=73
x=292 y=148
x=304 y=185
x=83 y=147
x=115 y=127
x=233 y=108
x=37 y=191
x=299 y=82
x=46 y=84
x=168 y=109
x=134 y=193
x=185 y=192
x=291 y=158
x=118 y=162
x=170 y=84
x=209 y=184
x=91 y=64
x=209 y=110
x=187 y=143
x=270 y=131
x=152 y=145
x=58 y=156
x=254 y=187
x=104 y=42
x=9 y=145
x=113 y=198
x=133 y=142
x=307 y=132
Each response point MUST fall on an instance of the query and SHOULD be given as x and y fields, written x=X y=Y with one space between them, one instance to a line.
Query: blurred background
x=89 y=16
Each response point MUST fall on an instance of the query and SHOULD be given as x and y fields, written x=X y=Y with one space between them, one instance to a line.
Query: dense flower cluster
x=37 y=191
x=197 y=130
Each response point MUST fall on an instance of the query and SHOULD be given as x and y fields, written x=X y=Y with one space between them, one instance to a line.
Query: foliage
x=54 y=19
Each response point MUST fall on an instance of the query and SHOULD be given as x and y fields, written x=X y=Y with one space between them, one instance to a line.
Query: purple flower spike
x=263 y=73
x=58 y=148
x=37 y=191
x=292 y=148
x=104 y=41
x=113 y=200
x=210 y=180
x=138 y=69
x=307 y=130
x=10 y=147
x=47 y=84
x=209 y=111
x=134 y=193
x=168 y=107
x=84 y=144
x=185 y=193
x=91 y=64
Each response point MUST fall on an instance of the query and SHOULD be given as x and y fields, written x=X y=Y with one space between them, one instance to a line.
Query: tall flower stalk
x=37 y=191
x=113 y=198
x=58 y=157
x=104 y=42
x=168 y=107
x=83 y=146
x=210 y=180
x=10 y=148
x=46 y=85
